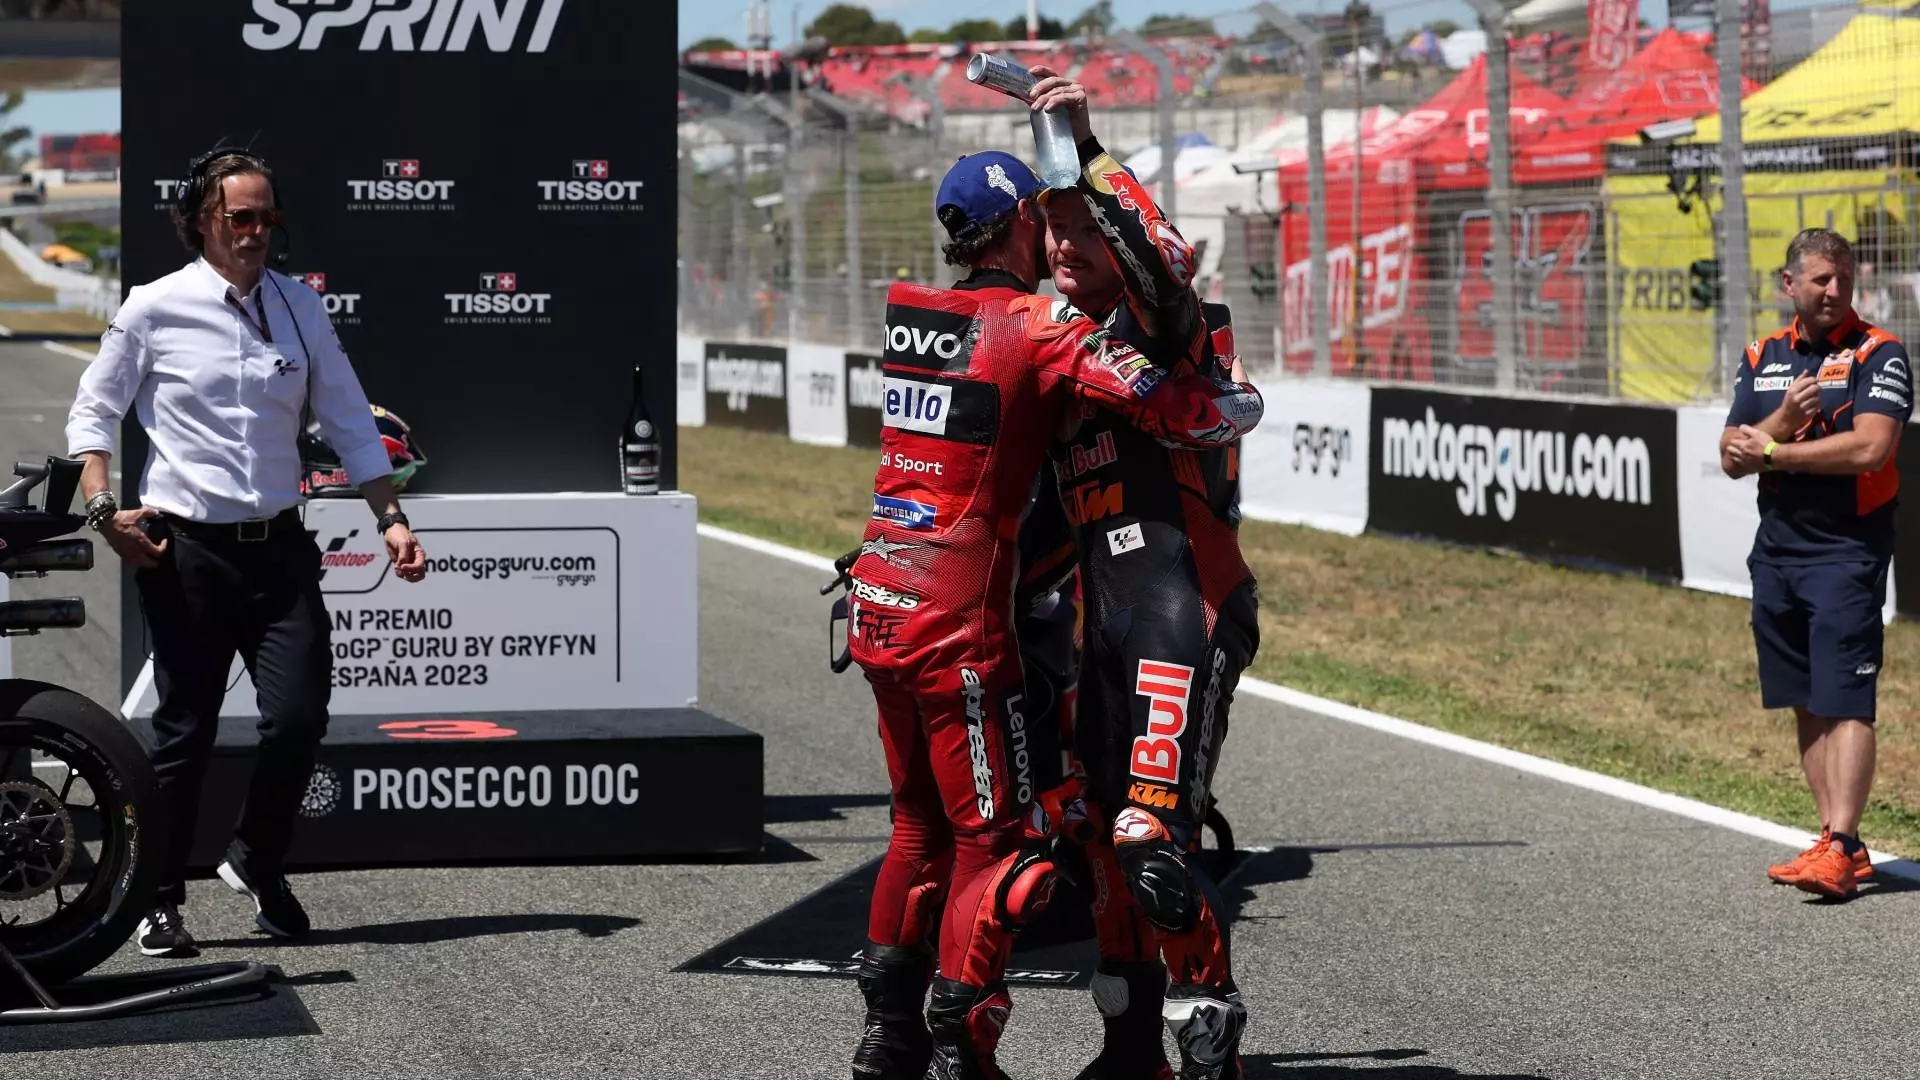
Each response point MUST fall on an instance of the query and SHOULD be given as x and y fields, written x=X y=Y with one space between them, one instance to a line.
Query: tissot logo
x=168 y=191
x=498 y=301
x=403 y=184
x=419 y=26
x=591 y=186
x=342 y=307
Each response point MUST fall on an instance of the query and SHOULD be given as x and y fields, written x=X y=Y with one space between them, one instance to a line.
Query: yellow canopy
x=1827 y=143
x=1862 y=83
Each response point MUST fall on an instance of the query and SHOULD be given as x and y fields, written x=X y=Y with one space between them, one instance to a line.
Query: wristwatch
x=388 y=521
x=1766 y=456
x=100 y=510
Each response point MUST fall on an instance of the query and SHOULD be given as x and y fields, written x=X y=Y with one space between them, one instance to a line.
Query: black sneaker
x=164 y=933
x=274 y=905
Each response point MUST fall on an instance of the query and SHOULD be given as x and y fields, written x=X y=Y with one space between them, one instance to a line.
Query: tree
x=1016 y=29
x=929 y=36
x=851 y=24
x=13 y=136
x=1096 y=21
x=1443 y=28
x=713 y=44
x=979 y=30
x=1176 y=26
x=1359 y=17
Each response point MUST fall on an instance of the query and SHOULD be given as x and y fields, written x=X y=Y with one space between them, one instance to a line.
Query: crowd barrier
x=1616 y=486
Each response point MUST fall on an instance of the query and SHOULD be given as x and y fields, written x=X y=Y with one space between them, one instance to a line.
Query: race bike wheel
x=79 y=829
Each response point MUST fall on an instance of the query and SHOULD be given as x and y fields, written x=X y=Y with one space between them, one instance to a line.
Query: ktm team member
x=1171 y=621
x=1818 y=409
x=977 y=377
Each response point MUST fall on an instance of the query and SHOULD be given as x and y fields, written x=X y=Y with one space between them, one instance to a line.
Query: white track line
x=68 y=350
x=1459 y=744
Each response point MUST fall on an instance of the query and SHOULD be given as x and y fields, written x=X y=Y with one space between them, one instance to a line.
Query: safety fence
x=1617 y=276
x=1627 y=487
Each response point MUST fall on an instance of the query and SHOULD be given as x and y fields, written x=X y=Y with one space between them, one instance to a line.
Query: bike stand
x=184 y=983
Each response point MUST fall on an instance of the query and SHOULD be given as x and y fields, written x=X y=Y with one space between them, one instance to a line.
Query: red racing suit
x=978 y=378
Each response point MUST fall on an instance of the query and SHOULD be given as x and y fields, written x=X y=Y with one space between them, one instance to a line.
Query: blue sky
x=727 y=18
x=68 y=112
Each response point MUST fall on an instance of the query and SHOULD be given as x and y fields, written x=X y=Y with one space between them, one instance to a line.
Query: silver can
x=999 y=73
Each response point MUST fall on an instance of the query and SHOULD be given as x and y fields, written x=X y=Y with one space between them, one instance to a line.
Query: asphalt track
x=1417 y=914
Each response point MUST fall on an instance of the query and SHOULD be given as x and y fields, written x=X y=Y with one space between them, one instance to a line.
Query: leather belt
x=251 y=530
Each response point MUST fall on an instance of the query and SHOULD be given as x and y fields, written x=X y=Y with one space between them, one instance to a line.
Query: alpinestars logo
x=498 y=302
x=342 y=307
x=421 y=26
x=976 y=699
x=1475 y=457
x=592 y=187
x=402 y=185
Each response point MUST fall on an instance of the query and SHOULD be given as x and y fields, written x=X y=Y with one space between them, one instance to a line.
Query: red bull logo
x=1175 y=252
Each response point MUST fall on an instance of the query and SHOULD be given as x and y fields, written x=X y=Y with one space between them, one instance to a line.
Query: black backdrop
x=534 y=403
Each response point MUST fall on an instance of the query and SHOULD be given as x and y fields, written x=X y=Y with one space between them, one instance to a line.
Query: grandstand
x=877 y=75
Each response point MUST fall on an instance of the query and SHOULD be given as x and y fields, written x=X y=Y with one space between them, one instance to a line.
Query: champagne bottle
x=639 y=446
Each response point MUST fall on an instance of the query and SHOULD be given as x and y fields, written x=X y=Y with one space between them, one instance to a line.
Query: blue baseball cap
x=982 y=188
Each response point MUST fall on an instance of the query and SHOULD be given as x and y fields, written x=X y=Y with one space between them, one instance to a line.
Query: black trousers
x=212 y=596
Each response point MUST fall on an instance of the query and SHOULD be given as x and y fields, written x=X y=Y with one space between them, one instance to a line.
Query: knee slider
x=1026 y=888
x=1162 y=884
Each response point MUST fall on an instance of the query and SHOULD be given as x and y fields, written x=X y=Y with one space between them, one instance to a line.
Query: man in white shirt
x=220 y=362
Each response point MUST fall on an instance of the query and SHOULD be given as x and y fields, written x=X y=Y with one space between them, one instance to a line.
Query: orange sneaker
x=1831 y=872
x=1788 y=872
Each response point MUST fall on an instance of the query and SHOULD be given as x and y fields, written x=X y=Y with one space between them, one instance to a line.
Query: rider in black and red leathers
x=977 y=379
x=1170 y=623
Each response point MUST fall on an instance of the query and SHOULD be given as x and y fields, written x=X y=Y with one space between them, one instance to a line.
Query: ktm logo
x=1154 y=795
x=1092 y=501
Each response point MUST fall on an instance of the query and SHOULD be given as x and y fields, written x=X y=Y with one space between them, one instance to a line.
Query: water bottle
x=1057 y=156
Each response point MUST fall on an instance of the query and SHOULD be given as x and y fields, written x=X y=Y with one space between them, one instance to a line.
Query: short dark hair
x=1823 y=242
x=967 y=249
x=187 y=225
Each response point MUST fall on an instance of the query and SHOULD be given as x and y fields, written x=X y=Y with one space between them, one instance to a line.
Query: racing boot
x=1206 y=1022
x=895 y=1045
x=1129 y=996
x=966 y=1022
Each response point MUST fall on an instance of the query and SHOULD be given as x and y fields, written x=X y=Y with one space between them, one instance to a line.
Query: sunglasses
x=249 y=220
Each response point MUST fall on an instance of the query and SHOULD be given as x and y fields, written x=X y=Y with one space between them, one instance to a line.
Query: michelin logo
x=1477 y=458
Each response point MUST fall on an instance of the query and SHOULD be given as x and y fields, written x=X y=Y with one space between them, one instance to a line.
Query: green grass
x=1646 y=682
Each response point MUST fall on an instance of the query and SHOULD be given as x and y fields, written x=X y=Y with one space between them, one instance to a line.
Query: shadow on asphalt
x=790 y=808
x=429 y=931
x=1883 y=884
x=1321 y=1066
x=266 y=1010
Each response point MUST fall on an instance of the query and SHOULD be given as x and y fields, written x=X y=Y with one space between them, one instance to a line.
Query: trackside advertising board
x=1576 y=482
x=1306 y=464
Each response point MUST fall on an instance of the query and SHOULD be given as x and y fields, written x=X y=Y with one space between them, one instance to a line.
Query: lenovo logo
x=402 y=25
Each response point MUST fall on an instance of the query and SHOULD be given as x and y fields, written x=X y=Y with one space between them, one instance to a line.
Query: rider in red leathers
x=978 y=378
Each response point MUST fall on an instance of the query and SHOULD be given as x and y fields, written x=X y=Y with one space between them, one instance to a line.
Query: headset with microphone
x=190 y=194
